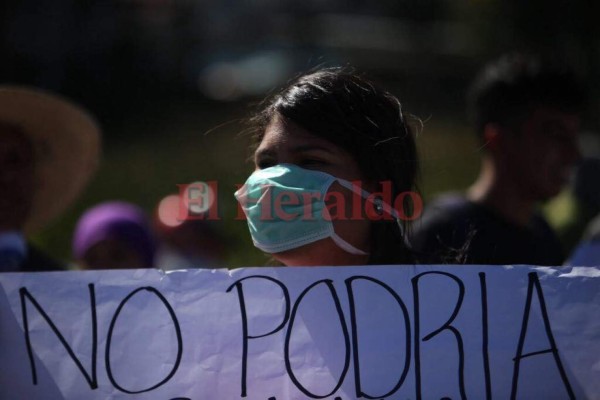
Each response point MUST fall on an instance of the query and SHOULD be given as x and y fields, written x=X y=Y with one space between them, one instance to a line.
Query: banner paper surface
x=383 y=332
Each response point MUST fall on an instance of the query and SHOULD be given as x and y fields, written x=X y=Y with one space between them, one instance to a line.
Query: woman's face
x=286 y=143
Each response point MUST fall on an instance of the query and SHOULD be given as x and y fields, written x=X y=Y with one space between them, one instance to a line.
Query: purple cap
x=115 y=220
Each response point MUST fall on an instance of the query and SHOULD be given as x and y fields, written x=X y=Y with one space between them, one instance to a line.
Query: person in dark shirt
x=49 y=148
x=527 y=116
x=463 y=231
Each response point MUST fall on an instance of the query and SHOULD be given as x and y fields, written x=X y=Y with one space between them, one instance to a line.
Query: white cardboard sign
x=385 y=332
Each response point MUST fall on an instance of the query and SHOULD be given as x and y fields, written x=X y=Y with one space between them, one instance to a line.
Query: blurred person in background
x=571 y=212
x=586 y=202
x=587 y=253
x=190 y=240
x=49 y=148
x=329 y=146
x=527 y=116
x=114 y=235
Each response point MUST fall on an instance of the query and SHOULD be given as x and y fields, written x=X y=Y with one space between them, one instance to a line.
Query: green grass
x=449 y=155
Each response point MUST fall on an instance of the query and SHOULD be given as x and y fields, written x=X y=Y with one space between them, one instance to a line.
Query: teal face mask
x=285 y=208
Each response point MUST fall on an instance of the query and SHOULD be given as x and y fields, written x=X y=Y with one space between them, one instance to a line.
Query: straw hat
x=66 y=141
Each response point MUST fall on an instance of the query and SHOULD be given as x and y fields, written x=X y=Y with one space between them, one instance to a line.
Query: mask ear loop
x=347 y=247
x=379 y=205
x=391 y=211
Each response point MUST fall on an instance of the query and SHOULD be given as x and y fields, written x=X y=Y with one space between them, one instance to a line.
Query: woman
x=334 y=162
x=114 y=235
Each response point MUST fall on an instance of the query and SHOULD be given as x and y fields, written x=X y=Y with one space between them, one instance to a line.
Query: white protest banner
x=395 y=332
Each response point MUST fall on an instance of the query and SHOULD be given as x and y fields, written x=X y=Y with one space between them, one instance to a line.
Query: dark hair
x=354 y=114
x=510 y=88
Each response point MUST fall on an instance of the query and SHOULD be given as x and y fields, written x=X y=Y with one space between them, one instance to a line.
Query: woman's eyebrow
x=311 y=147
